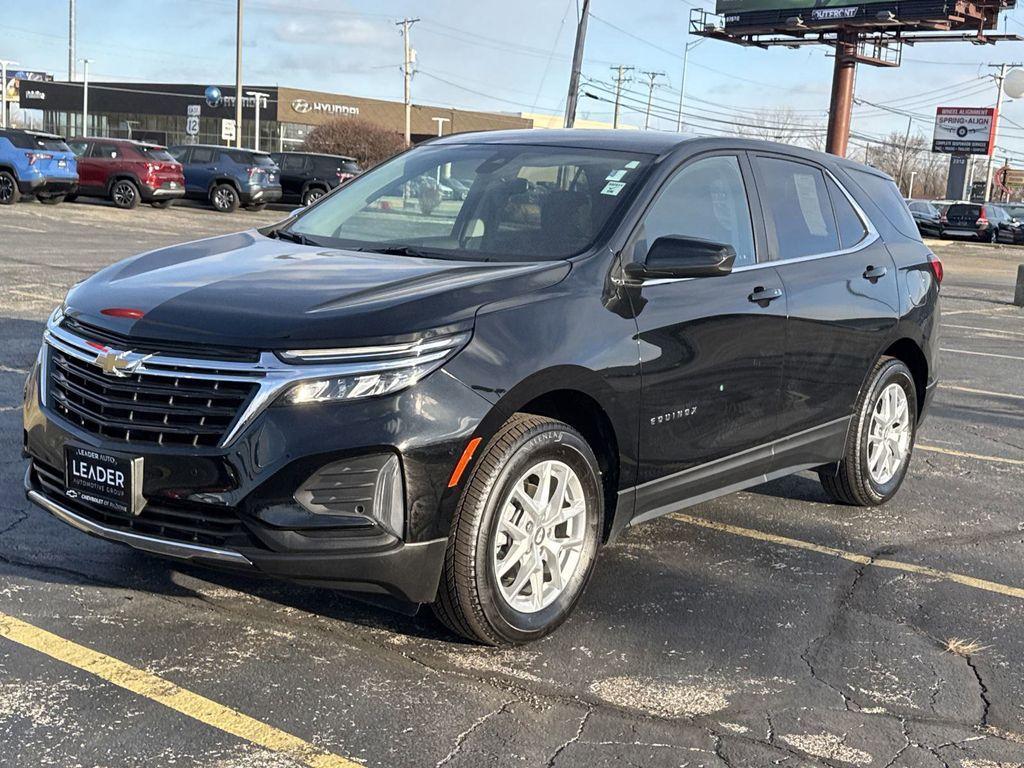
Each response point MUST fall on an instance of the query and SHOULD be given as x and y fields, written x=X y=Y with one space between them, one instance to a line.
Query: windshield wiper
x=402 y=250
x=295 y=237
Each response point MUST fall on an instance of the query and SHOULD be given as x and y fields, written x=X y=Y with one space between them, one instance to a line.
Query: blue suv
x=35 y=163
x=229 y=177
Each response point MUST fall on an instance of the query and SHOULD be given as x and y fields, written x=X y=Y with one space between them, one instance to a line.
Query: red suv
x=127 y=172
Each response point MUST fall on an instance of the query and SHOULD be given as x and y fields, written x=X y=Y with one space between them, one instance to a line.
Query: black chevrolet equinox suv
x=457 y=402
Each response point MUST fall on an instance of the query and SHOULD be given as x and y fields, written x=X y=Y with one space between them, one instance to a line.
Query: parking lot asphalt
x=764 y=628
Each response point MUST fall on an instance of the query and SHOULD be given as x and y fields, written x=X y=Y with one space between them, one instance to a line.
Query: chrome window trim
x=270 y=374
x=870 y=236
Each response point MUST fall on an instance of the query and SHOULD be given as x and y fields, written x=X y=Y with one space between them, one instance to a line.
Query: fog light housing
x=358 y=491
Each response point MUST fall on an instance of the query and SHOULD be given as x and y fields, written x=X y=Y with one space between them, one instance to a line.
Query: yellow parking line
x=164 y=692
x=987 y=392
x=981 y=354
x=853 y=557
x=966 y=455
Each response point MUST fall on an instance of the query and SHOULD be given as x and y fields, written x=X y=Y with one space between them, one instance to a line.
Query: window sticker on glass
x=810 y=204
x=616 y=175
x=633 y=164
x=613 y=187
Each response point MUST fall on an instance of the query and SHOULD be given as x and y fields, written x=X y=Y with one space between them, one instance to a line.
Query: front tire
x=124 y=194
x=525 y=534
x=881 y=439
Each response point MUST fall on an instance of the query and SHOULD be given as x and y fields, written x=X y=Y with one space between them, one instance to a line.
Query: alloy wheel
x=6 y=188
x=223 y=198
x=124 y=195
x=313 y=195
x=540 y=534
x=888 y=434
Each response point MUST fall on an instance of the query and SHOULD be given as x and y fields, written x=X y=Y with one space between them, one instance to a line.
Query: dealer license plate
x=105 y=480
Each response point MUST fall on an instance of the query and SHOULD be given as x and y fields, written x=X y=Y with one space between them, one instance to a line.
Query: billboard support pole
x=841 y=104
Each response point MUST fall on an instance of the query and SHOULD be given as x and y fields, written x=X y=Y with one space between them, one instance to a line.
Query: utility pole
x=5 y=64
x=72 y=34
x=407 y=72
x=621 y=77
x=651 y=84
x=238 y=76
x=577 y=65
x=995 y=129
x=682 y=79
x=903 y=156
x=85 y=96
x=260 y=99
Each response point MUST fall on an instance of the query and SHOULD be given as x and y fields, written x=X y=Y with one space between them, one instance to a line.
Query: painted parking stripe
x=966 y=455
x=986 y=392
x=980 y=328
x=976 y=311
x=156 y=688
x=981 y=354
x=853 y=557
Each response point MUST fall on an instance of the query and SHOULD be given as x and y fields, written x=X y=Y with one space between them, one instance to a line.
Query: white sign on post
x=227 y=130
x=192 y=125
x=194 y=110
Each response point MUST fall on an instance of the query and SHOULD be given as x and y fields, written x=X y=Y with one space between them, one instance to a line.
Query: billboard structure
x=964 y=130
x=869 y=32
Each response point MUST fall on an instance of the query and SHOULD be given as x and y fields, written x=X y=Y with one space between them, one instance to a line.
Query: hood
x=247 y=290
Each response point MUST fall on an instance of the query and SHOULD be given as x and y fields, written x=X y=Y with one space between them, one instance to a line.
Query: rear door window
x=798 y=210
x=292 y=162
x=106 y=151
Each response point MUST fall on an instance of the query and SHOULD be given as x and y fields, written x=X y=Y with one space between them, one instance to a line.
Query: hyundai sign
x=964 y=130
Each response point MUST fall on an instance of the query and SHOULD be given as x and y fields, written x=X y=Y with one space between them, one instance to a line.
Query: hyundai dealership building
x=173 y=113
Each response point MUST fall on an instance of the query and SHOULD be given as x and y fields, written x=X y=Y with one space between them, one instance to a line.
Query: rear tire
x=70 y=198
x=880 y=441
x=50 y=199
x=532 y=506
x=224 y=198
x=124 y=194
x=9 y=193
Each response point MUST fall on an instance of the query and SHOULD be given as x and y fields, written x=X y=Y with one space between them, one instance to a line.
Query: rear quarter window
x=887 y=198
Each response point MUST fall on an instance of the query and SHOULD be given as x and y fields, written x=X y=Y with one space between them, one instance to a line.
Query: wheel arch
x=585 y=405
x=122 y=176
x=910 y=354
x=218 y=180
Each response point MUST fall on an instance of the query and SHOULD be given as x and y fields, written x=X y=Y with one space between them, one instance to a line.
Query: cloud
x=348 y=32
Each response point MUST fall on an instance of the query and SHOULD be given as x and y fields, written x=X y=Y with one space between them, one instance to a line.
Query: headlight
x=369 y=371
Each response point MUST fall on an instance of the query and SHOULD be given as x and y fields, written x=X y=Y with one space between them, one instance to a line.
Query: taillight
x=936 y=265
x=253 y=173
x=943 y=219
x=983 y=218
x=33 y=156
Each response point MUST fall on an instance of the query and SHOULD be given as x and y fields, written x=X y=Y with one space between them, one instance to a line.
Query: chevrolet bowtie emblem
x=119 y=364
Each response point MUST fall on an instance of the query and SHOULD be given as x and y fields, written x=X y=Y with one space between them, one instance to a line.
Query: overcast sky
x=499 y=56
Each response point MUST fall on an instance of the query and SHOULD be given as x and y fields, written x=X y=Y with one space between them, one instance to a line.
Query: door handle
x=874 y=273
x=764 y=296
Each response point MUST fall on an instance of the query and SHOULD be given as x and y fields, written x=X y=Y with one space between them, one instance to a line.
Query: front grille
x=145 y=408
x=184 y=521
x=120 y=341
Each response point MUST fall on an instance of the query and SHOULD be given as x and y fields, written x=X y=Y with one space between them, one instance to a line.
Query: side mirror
x=675 y=257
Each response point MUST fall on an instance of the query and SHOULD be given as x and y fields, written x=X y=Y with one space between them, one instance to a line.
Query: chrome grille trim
x=270 y=375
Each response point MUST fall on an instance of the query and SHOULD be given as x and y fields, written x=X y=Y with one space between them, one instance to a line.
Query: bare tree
x=784 y=126
x=369 y=143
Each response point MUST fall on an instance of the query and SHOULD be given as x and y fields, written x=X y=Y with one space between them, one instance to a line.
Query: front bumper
x=233 y=505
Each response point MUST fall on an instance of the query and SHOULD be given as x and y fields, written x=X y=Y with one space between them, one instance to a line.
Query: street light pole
x=72 y=34
x=238 y=76
x=995 y=128
x=85 y=96
x=259 y=96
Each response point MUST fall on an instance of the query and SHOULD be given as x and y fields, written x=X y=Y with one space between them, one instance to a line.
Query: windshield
x=155 y=153
x=515 y=203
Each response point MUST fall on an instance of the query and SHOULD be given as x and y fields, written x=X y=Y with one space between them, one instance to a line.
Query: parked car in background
x=986 y=222
x=307 y=176
x=928 y=218
x=228 y=178
x=1016 y=210
x=127 y=172
x=943 y=205
x=35 y=163
x=460 y=408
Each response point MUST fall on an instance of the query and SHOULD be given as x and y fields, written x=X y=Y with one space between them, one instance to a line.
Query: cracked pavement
x=692 y=647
